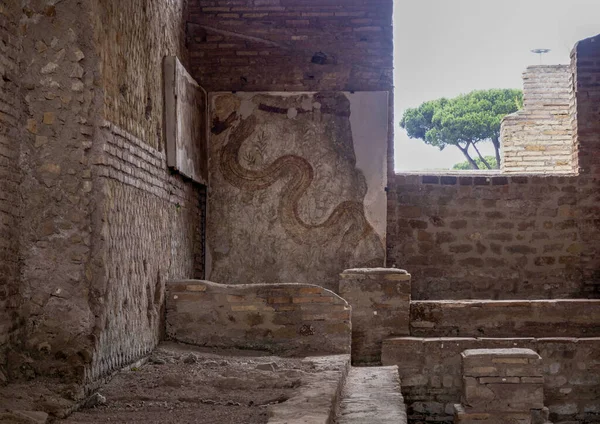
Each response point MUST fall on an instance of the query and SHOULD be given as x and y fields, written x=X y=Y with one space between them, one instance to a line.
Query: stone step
x=431 y=373
x=372 y=396
x=505 y=318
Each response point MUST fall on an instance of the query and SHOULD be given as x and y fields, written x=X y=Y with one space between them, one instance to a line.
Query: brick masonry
x=269 y=45
x=539 y=138
x=505 y=318
x=149 y=230
x=492 y=237
x=10 y=116
x=500 y=386
x=507 y=237
x=380 y=299
x=431 y=374
x=297 y=319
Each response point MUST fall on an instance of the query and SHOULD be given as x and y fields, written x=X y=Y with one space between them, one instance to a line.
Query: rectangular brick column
x=380 y=300
x=500 y=386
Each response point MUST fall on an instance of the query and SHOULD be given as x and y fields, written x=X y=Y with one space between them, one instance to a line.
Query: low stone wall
x=494 y=237
x=431 y=374
x=380 y=300
x=291 y=319
x=500 y=386
x=505 y=318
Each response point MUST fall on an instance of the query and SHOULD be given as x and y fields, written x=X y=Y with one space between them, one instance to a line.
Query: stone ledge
x=506 y=353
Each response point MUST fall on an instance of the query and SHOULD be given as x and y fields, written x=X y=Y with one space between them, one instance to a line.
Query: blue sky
x=447 y=47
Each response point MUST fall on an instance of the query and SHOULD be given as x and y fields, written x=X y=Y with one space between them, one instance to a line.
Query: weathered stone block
x=515 y=362
x=469 y=416
x=380 y=300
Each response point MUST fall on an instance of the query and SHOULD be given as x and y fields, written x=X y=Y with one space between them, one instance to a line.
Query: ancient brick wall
x=10 y=126
x=268 y=45
x=488 y=237
x=147 y=227
x=290 y=319
x=431 y=374
x=507 y=237
x=539 y=138
x=586 y=110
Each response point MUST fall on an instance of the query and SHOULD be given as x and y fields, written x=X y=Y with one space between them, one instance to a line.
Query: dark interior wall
x=250 y=45
x=586 y=109
x=10 y=115
x=507 y=237
x=146 y=228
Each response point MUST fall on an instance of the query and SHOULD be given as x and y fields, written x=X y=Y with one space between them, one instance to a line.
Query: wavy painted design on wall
x=287 y=200
x=348 y=216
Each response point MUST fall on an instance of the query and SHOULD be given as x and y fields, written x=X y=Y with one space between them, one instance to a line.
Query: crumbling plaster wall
x=507 y=237
x=10 y=115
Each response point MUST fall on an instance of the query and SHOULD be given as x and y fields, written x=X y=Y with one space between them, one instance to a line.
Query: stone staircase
x=566 y=334
x=425 y=339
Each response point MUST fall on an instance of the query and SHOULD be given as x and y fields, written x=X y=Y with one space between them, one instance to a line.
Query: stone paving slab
x=372 y=396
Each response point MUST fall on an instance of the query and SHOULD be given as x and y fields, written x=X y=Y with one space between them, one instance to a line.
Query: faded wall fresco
x=287 y=199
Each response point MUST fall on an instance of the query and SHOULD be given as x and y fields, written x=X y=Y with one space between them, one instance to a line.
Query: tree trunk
x=485 y=162
x=465 y=151
x=496 y=142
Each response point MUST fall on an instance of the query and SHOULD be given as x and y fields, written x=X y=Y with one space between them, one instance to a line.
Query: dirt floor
x=182 y=384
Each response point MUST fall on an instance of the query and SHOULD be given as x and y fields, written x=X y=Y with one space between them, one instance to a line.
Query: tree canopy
x=463 y=166
x=464 y=121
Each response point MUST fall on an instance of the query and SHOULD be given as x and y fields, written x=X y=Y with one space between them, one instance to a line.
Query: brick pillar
x=380 y=300
x=501 y=386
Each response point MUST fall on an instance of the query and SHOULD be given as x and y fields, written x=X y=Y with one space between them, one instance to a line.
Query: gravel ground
x=183 y=384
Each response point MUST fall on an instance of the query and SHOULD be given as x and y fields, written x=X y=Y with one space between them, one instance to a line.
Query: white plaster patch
x=247 y=108
x=369 y=122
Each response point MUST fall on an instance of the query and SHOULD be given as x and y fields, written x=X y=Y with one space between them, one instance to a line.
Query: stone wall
x=507 y=237
x=148 y=224
x=104 y=222
x=431 y=374
x=586 y=109
x=539 y=138
x=291 y=319
x=137 y=35
x=297 y=186
x=10 y=126
x=380 y=300
x=491 y=237
x=147 y=231
x=505 y=318
x=269 y=45
x=57 y=80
